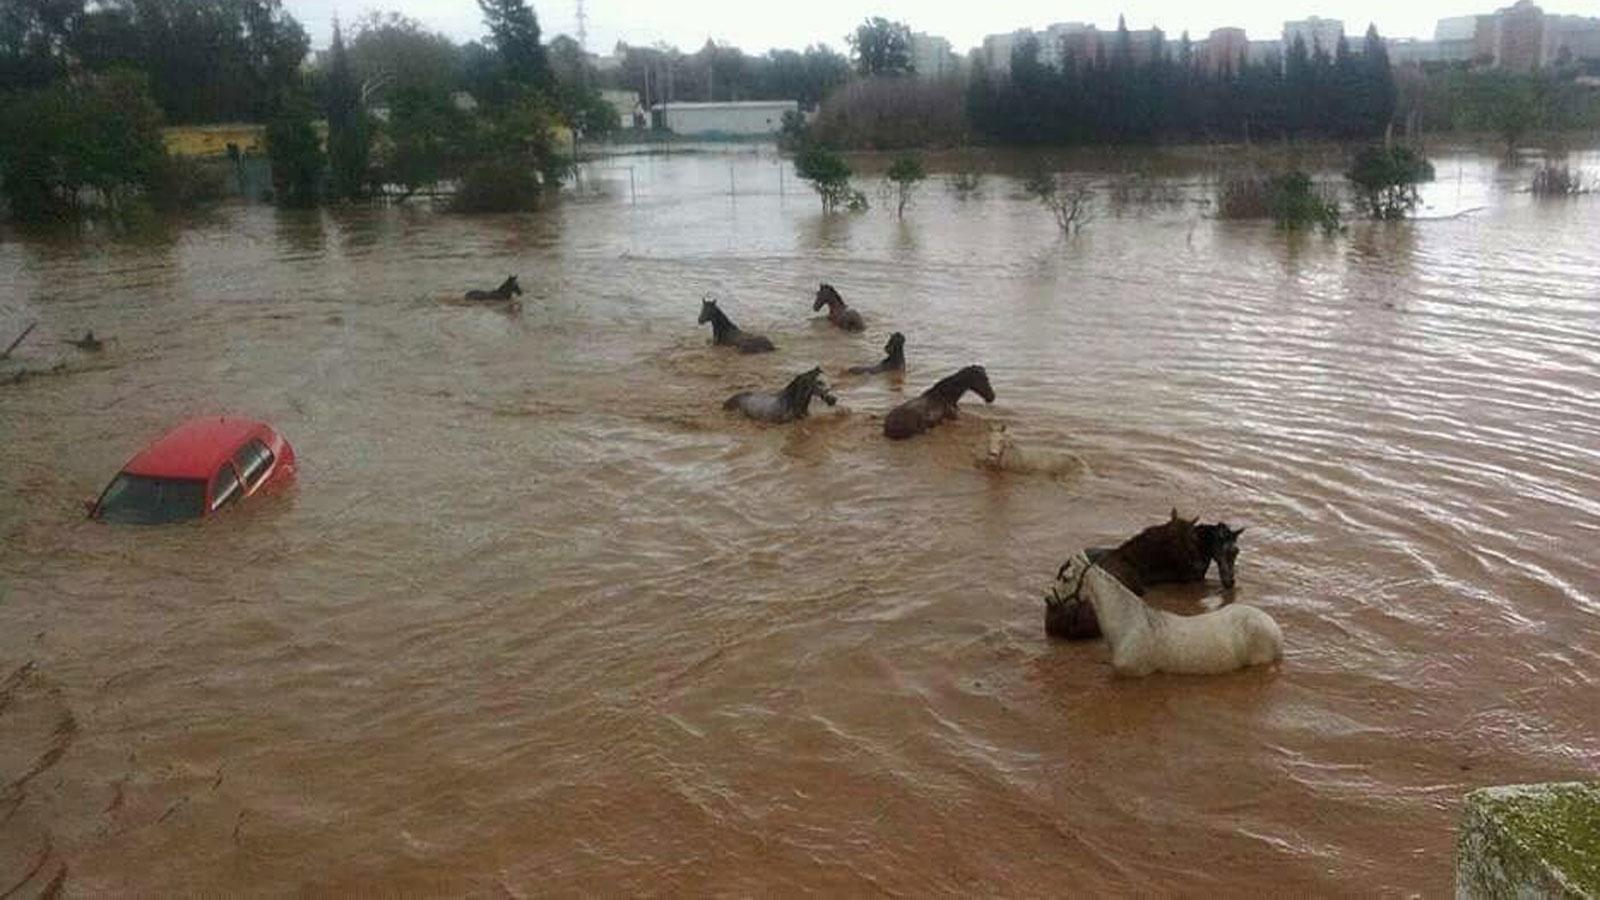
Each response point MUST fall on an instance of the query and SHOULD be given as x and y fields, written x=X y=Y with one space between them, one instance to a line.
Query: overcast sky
x=759 y=26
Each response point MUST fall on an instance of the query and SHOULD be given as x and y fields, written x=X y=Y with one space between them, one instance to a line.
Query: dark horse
x=1178 y=550
x=505 y=291
x=936 y=404
x=725 y=333
x=839 y=314
x=793 y=402
x=894 y=362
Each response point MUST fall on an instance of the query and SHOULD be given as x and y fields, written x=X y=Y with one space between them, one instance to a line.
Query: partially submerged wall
x=1533 y=840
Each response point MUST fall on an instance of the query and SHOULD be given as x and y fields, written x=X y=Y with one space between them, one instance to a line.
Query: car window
x=253 y=460
x=224 y=487
x=142 y=500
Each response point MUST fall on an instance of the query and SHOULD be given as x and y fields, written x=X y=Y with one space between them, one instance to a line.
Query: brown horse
x=838 y=313
x=1178 y=550
x=936 y=404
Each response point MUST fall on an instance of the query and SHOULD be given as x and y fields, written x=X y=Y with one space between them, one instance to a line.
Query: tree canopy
x=882 y=47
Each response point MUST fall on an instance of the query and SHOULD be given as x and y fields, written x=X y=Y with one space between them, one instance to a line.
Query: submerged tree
x=1070 y=200
x=1385 y=179
x=829 y=175
x=905 y=173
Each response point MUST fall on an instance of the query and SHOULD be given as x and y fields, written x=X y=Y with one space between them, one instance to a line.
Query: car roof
x=196 y=448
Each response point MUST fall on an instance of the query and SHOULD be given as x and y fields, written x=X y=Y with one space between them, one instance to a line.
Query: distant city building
x=1223 y=50
x=1519 y=37
x=1063 y=40
x=1265 y=53
x=996 y=51
x=1570 y=38
x=742 y=119
x=931 y=56
x=1316 y=32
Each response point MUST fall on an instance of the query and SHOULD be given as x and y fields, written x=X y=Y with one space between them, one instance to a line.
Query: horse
x=838 y=313
x=1005 y=455
x=1145 y=640
x=725 y=333
x=88 y=343
x=894 y=362
x=936 y=404
x=505 y=291
x=793 y=402
x=1178 y=550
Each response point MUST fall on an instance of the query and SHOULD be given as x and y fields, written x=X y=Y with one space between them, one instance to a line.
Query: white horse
x=1144 y=639
x=1005 y=455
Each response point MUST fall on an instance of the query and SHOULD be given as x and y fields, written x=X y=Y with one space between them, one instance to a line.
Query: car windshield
x=142 y=500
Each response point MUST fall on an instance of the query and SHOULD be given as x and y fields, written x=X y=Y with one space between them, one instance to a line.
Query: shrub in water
x=1386 y=179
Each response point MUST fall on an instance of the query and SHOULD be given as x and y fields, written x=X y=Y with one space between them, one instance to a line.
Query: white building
x=1316 y=32
x=931 y=56
x=742 y=119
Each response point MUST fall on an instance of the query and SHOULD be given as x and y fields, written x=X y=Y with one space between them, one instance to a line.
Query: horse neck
x=950 y=388
x=1121 y=613
x=797 y=396
x=1158 y=556
x=896 y=357
x=721 y=325
x=504 y=288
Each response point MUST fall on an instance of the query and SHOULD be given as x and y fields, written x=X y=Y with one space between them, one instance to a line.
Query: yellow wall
x=213 y=140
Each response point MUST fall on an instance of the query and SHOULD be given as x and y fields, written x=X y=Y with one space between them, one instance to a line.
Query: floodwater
x=541 y=618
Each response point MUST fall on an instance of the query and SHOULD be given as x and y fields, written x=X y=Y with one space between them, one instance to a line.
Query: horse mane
x=951 y=387
x=506 y=285
x=800 y=388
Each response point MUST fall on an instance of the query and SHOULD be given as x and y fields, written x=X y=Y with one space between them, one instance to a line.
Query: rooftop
x=194 y=449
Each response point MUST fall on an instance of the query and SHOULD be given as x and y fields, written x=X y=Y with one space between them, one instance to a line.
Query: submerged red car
x=195 y=470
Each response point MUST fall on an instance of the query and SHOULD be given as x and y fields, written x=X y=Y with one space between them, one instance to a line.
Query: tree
x=1379 y=87
x=904 y=173
x=295 y=154
x=348 y=148
x=428 y=138
x=514 y=35
x=829 y=175
x=390 y=53
x=95 y=135
x=882 y=47
x=1070 y=201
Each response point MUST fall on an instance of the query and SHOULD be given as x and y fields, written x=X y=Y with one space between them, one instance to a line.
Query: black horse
x=936 y=404
x=725 y=333
x=1178 y=550
x=838 y=313
x=793 y=402
x=894 y=362
x=88 y=343
x=505 y=291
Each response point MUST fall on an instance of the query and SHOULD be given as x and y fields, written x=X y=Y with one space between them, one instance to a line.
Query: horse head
x=708 y=310
x=806 y=385
x=976 y=378
x=896 y=346
x=1220 y=543
x=826 y=296
x=511 y=287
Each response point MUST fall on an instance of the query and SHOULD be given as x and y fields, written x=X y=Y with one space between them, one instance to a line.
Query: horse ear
x=1236 y=532
x=1175 y=514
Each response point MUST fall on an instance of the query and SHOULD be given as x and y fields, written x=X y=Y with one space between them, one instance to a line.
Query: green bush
x=904 y=174
x=1386 y=178
x=296 y=155
x=829 y=175
x=180 y=183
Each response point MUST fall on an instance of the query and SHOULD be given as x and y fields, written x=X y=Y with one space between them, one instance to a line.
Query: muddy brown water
x=539 y=617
